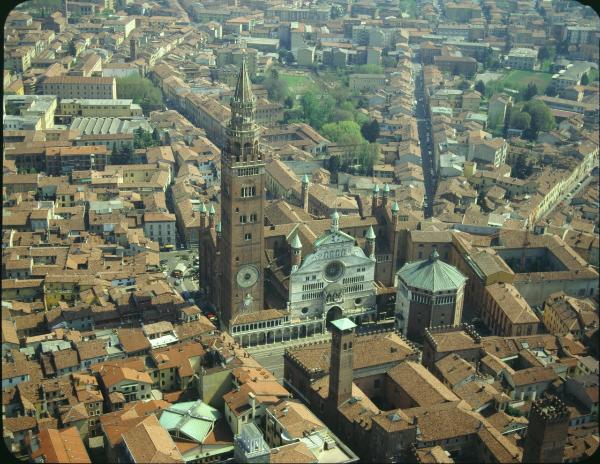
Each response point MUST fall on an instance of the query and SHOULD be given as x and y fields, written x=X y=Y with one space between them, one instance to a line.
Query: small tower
x=203 y=212
x=296 y=246
x=341 y=368
x=132 y=49
x=386 y=194
x=375 y=199
x=218 y=229
x=211 y=216
x=395 y=212
x=305 y=193
x=370 y=243
x=335 y=222
x=547 y=431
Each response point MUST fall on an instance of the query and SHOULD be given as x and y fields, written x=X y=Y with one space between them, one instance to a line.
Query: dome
x=431 y=275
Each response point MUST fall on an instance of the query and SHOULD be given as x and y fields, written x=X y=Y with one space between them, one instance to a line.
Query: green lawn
x=518 y=80
x=298 y=84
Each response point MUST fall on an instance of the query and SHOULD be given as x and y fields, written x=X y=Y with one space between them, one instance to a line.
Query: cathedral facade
x=336 y=280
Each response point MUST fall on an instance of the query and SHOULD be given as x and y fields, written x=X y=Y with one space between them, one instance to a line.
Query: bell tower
x=242 y=206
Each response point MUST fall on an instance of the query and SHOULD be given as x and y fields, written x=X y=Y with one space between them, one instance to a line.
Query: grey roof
x=343 y=324
x=431 y=275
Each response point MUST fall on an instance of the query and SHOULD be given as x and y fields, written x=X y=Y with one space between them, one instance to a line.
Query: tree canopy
x=343 y=132
x=585 y=80
x=480 y=87
x=530 y=91
x=317 y=111
x=277 y=88
x=541 y=118
x=520 y=120
x=370 y=130
x=142 y=91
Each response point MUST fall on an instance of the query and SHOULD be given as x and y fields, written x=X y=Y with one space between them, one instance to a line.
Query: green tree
x=342 y=115
x=541 y=118
x=585 y=80
x=333 y=165
x=464 y=85
x=288 y=102
x=370 y=130
x=317 y=111
x=343 y=132
x=480 y=87
x=520 y=120
x=368 y=154
x=142 y=91
x=156 y=136
x=551 y=90
x=519 y=169
x=277 y=89
x=72 y=49
x=530 y=91
x=143 y=139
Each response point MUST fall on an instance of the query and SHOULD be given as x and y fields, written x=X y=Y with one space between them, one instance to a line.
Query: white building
x=160 y=227
x=336 y=280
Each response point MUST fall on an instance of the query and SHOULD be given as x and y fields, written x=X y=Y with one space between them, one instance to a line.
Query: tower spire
x=243 y=89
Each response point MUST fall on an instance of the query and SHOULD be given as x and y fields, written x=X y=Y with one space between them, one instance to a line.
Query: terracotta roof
x=534 y=375
x=295 y=418
x=149 y=442
x=293 y=453
x=19 y=424
x=420 y=385
x=64 y=446
x=112 y=375
x=368 y=351
x=133 y=340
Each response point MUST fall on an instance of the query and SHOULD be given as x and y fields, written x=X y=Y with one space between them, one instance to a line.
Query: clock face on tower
x=247 y=276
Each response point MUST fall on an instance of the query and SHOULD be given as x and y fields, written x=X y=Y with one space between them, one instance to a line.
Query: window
x=243 y=219
x=253 y=218
x=247 y=236
x=248 y=191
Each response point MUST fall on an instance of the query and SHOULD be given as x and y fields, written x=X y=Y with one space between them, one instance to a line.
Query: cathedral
x=273 y=280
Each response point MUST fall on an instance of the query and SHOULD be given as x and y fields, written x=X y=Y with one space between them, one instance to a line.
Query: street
x=426 y=143
x=169 y=261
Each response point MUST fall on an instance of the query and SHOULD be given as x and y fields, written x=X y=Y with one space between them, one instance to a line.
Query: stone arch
x=287 y=333
x=253 y=339
x=236 y=151
x=294 y=332
x=303 y=331
x=335 y=312
x=247 y=150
